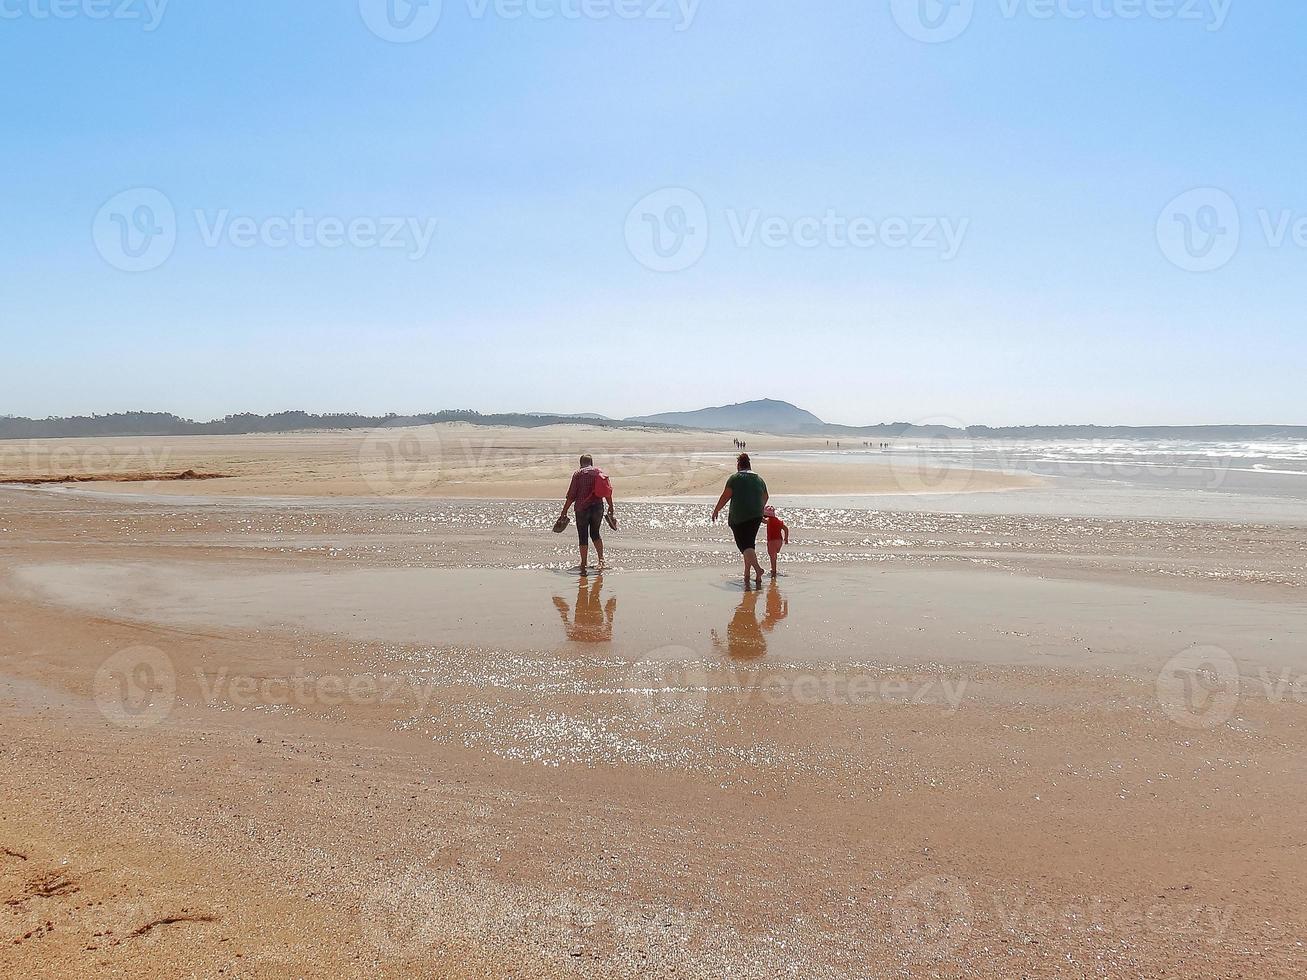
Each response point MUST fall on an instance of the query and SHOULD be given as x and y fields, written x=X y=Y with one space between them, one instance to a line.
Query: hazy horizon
x=857 y=423
x=373 y=207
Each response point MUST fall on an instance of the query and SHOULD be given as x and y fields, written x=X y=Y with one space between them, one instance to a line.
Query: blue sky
x=527 y=142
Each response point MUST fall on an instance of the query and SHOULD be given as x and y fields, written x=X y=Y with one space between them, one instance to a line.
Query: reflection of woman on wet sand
x=594 y=621
x=745 y=639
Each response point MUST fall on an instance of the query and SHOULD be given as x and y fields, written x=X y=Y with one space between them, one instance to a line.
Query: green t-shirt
x=748 y=497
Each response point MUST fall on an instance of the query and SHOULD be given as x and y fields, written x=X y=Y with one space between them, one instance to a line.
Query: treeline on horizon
x=167 y=424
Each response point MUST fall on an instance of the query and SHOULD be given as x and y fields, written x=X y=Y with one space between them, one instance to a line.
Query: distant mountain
x=782 y=418
x=766 y=415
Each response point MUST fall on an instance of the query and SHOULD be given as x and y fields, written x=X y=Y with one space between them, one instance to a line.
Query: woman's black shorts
x=746 y=534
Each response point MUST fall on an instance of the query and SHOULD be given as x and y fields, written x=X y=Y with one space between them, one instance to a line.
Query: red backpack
x=603 y=488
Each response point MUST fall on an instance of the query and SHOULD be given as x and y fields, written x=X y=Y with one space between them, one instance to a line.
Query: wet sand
x=897 y=615
x=400 y=738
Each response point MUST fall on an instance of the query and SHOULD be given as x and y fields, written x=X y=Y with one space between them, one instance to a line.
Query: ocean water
x=1252 y=480
x=1119 y=458
x=1209 y=465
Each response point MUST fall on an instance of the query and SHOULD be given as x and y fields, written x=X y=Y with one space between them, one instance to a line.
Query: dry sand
x=461 y=461
x=357 y=738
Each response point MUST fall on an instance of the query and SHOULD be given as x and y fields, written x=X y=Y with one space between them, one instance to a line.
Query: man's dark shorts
x=588 y=522
x=746 y=534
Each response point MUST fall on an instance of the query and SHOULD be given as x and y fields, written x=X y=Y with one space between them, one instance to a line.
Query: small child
x=778 y=532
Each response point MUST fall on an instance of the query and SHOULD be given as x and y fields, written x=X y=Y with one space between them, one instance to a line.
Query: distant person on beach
x=778 y=534
x=747 y=495
x=589 y=491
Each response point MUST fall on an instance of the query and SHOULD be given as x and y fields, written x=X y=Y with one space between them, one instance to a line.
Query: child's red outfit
x=777 y=534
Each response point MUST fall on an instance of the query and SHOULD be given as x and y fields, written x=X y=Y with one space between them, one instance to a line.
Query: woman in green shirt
x=747 y=495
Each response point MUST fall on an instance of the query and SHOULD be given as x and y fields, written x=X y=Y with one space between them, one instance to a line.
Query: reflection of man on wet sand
x=594 y=620
x=745 y=639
